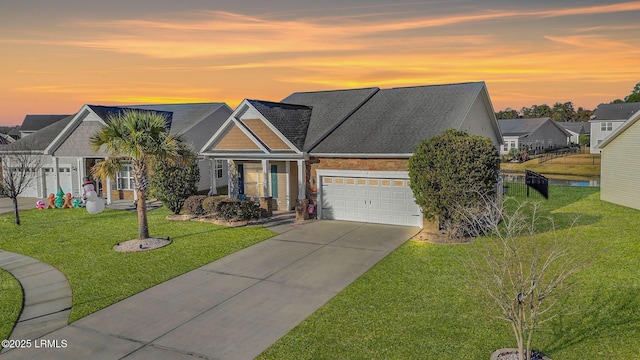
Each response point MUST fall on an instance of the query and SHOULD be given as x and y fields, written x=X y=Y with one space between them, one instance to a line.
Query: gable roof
x=185 y=116
x=395 y=121
x=615 y=111
x=627 y=124
x=41 y=139
x=521 y=126
x=36 y=122
x=577 y=127
x=106 y=112
x=291 y=120
x=329 y=109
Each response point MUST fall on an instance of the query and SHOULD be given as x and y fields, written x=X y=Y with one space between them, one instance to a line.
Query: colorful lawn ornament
x=51 y=201
x=94 y=204
x=40 y=205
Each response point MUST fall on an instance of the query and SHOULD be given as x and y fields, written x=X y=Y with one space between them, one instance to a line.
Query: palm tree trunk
x=143 y=226
x=141 y=181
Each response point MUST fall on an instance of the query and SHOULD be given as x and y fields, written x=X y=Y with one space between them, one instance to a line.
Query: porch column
x=212 y=174
x=233 y=183
x=287 y=167
x=56 y=173
x=108 y=189
x=81 y=175
x=302 y=186
x=265 y=176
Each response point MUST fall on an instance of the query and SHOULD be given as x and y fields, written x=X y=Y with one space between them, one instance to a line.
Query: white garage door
x=368 y=199
x=50 y=180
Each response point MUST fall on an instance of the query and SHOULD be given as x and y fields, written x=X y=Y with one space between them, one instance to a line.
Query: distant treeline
x=562 y=111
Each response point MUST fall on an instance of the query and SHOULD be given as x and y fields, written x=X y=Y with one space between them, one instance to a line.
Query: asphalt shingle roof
x=615 y=111
x=577 y=127
x=185 y=116
x=39 y=140
x=329 y=108
x=395 y=121
x=37 y=122
x=520 y=127
x=106 y=112
x=290 y=119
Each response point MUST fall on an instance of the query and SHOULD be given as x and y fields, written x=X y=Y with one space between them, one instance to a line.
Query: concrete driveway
x=233 y=308
x=6 y=206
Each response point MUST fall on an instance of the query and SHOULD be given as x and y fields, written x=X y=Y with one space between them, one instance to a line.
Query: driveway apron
x=233 y=308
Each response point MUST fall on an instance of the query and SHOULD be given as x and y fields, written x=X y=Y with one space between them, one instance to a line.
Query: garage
x=373 y=198
x=50 y=180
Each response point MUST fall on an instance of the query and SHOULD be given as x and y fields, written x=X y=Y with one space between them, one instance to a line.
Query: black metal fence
x=531 y=185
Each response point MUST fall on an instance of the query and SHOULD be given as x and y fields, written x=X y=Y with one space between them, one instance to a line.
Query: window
x=606 y=126
x=218 y=169
x=125 y=178
x=505 y=147
x=512 y=145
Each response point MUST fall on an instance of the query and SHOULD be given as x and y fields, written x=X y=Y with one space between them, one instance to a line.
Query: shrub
x=193 y=205
x=172 y=184
x=210 y=203
x=233 y=209
x=453 y=169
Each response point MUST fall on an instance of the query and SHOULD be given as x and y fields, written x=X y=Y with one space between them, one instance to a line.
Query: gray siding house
x=535 y=135
x=606 y=119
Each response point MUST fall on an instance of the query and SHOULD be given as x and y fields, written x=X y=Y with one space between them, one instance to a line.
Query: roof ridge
x=374 y=91
x=333 y=90
x=434 y=85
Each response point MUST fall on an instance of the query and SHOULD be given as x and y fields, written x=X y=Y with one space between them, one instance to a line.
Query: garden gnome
x=94 y=204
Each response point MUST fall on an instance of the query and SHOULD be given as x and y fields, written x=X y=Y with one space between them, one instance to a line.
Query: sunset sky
x=57 y=55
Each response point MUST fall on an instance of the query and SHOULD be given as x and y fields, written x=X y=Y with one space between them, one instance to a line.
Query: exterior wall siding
x=549 y=131
x=77 y=144
x=479 y=122
x=620 y=169
x=265 y=134
x=597 y=134
x=235 y=139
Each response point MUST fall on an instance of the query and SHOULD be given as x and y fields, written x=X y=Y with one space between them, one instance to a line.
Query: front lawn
x=415 y=303
x=10 y=303
x=80 y=245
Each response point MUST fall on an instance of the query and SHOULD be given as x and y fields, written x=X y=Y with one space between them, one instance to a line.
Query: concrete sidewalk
x=233 y=308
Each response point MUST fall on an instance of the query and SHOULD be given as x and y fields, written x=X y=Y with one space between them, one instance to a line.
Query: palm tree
x=141 y=137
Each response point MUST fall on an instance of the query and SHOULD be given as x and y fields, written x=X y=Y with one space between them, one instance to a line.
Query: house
x=535 y=135
x=620 y=164
x=576 y=129
x=346 y=151
x=33 y=123
x=68 y=156
x=607 y=118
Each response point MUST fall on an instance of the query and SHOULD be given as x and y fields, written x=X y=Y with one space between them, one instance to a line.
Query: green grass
x=10 y=304
x=575 y=165
x=416 y=304
x=81 y=246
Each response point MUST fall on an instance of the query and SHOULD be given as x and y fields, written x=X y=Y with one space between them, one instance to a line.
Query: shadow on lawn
x=607 y=315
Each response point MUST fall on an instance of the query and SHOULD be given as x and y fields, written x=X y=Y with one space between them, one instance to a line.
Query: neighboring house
x=346 y=150
x=33 y=123
x=576 y=129
x=535 y=135
x=68 y=156
x=620 y=164
x=607 y=118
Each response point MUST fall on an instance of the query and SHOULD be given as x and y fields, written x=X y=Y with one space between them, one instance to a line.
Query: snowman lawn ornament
x=93 y=203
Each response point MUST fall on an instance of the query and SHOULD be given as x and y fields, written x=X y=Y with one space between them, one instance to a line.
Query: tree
x=20 y=167
x=536 y=111
x=452 y=169
x=141 y=137
x=522 y=265
x=563 y=112
x=507 y=113
x=174 y=183
x=634 y=96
